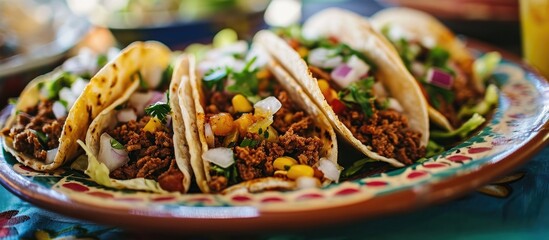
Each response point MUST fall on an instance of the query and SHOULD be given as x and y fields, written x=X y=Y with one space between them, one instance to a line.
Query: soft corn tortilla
x=158 y=58
x=356 y=32
x=191 y=86
x=109 y=84
x=421 y=25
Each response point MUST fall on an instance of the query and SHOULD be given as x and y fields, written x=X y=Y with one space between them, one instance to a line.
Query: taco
x=54 y=110
x=359 y=82
x=138 y=142
x=453 y=82
x=255 y=130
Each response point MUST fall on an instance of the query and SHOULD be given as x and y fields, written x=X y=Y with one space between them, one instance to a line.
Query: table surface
x=515 y=207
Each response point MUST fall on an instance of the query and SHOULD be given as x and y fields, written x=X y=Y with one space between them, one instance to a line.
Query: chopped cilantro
x=12 y=101
x=142 y=83
x=356 y=167
x=360 y=92
x=231 y=173
x=473 y=123
x=248 y=142
x=266 y=134
x=159 y=110
x=436 y=94
x=166 y=76
x=246 y=82
x=60 y=81
x=213 y=79
x=437 y=57
x=346 y=51
x=260 y=131
x=42 y=137
x=116 y=144
x=102 y=59
x=433 y=149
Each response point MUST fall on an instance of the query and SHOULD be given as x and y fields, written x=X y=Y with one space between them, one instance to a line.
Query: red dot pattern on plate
x=101 y=194
x=76 y=187
x=458 y=158
x=310 y=196
x=434 y=165
x=376 y=184
x=27 y=168
x=161 y=199
x=200 y=199
x=479 y=150
x=272 y=199
x=416 y=174
x=347 y=191
x=240 y=198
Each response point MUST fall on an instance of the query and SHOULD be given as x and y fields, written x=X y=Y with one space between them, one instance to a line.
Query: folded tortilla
x=192 y=89
x=422 y=27
x=153 y=60
x=109 y=84
x=356 y=32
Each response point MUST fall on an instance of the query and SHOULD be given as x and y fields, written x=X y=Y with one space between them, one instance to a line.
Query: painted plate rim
x=250 y=219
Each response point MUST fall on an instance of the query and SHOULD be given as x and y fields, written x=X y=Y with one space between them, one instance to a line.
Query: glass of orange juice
x=534 y=15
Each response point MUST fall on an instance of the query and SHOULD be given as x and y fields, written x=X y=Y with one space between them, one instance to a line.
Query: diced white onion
x=111 y=157
x=395 y=105
x=262 y=57
x=307 y=182
x=267 y=107
x=84 y=62
x=78 y=86
x=417 y=69
x=59 y=110
x=324 y=58
x=329 y=169
x=396 y=33
x=126 y=115
x=66 y=95
x=112 y=53
x=439 y=78
x=360 y=67
x=138 y=101
x=153 y=77
x=379 y=90
x=208 y=133
x=220 y=156
x=428 y=42
x=51 y=155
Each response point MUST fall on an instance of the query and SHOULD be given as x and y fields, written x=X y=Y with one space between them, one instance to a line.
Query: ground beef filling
x=387 y=132
x=294 y=140
x=151 y=155
x=39 y=118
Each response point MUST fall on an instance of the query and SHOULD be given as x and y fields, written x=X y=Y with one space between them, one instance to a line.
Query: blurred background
x=37 y=35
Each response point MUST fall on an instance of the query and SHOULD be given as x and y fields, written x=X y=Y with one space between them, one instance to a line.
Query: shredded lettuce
x=356 y=167
x=231 y=173
x=99 y=173
x=490 y=99
x=473 y=123
x=484 y=66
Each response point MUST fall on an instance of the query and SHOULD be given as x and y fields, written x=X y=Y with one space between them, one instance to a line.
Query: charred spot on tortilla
x=114 y=81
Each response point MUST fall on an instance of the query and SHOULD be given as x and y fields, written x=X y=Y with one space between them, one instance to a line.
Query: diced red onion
x=111 y=157
x=50 y=155
x=439 y=78
x=343 y=75
x=208 y=133
x=126 y=115
x=220 y=156
x=329 y=169
x=156 y=97
x=169 y=121
x=59 y=110
x=360 y=67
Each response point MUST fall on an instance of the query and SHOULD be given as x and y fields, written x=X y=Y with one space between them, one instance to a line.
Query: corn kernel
x=288 y=117
x=283 y=163
x=153 y=124
x=264 y=73
x=243 y=123
x=300 y=170
x=241 y=104
x=324 y=86
x=331 y=95
x=303 y=51
x=222 y=124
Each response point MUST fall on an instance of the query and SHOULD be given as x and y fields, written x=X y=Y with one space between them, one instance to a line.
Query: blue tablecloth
x=515 y=207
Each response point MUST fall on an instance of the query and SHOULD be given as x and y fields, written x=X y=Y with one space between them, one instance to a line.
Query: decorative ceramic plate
x=518 y=127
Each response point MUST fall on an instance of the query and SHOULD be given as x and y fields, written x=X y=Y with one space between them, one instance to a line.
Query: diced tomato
x=337 y=106
x=333 y=39
x=293 y=43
